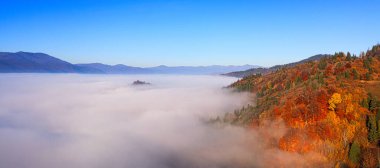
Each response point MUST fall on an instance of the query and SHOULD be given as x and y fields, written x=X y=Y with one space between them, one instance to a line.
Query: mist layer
x=104 y=121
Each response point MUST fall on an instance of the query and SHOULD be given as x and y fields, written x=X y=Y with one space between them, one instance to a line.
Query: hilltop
x=330 y=106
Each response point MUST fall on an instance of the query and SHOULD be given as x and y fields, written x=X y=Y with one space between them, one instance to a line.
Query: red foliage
x=348 y=65
x=305 y=75
x=277 y=111
x=295 y=141
x=340 y=111
x=325 y=131
x=303 y=105
x=329 y=70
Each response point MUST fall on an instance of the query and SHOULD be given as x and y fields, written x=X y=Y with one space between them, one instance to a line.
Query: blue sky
x=198 y=32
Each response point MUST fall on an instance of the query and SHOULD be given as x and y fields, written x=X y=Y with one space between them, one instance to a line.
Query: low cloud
x=95 y=121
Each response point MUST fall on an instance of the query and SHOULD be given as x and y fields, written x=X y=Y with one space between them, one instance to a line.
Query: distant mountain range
x=26 y=62
x=262 y=70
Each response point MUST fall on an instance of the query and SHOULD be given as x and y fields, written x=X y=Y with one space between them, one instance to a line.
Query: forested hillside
x=330 y=106
x=262 y=70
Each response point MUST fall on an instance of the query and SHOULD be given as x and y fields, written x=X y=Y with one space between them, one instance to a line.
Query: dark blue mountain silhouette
x=26 y=62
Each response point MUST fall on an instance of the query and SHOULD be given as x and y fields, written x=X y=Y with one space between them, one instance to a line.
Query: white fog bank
x=89 y=121
x=102 y=121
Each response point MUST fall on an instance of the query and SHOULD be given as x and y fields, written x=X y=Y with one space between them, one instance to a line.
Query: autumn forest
x=330 y=107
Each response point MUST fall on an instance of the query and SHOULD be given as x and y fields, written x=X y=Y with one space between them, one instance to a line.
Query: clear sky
x=184 y=32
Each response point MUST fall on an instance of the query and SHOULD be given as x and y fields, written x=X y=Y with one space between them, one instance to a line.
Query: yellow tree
x=334 y=100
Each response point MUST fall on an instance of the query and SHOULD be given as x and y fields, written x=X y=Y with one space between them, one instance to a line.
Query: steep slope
x=261 y=70
x=330 y=107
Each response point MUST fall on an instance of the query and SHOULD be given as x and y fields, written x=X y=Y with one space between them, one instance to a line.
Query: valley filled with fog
x=96 y=121
x=69 y=120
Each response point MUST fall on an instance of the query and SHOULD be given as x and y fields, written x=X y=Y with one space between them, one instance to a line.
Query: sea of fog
x=89 y=121
x=102 y=121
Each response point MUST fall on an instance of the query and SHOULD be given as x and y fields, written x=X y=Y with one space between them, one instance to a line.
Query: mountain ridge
x=262 y=70
x=37 y=62
x=27 y=62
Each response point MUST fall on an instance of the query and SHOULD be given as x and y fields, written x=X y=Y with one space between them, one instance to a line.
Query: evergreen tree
x=298 y=80
x=355 y=74
x=368 y=76
x=378 y=115
x=354 y=153
x=348 y=57
x=322 y=64
x=288 y=85
x=364 y=103
x=372 y=129
x=346 y=75
x=367 y=64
